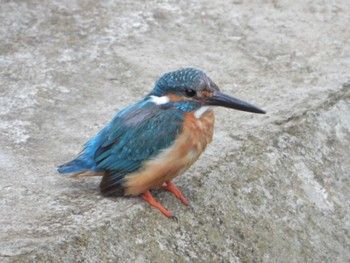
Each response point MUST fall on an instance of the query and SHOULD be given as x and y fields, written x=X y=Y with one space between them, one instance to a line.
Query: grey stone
x=272 y=188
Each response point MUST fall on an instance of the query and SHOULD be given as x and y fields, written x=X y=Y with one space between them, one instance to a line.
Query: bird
x=146 y=145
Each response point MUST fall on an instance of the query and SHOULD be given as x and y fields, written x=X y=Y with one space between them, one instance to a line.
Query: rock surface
x=272 y=188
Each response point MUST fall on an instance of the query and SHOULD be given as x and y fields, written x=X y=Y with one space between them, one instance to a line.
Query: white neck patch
x=198 y=113
x=159 y=100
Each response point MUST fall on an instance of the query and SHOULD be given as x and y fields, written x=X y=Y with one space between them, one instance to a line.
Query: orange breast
x=188 y=146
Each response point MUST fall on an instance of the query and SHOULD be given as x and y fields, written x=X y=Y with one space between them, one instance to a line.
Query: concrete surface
x=271 y=188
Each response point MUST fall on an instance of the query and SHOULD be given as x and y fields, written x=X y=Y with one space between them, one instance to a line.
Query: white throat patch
x=159 y=100
x=198 y=113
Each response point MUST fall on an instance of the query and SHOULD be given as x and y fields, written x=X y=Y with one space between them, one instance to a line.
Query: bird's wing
x=136 y=134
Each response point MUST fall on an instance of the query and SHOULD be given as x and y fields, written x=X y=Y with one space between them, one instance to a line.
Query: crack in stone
x=332 y=99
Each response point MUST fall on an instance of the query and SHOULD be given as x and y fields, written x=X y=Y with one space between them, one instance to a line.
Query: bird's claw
x=174 y=218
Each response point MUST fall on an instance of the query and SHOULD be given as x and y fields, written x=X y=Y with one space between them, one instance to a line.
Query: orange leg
x=173 y=189
x=147 y=196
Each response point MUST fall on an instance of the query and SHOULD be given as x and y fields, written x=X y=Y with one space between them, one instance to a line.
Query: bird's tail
x=77 y=165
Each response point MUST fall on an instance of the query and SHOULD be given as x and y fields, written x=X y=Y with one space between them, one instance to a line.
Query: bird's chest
x=198 y=131
x=191 y=142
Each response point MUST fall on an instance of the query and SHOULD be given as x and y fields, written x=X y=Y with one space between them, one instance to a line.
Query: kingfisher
x=146 y=145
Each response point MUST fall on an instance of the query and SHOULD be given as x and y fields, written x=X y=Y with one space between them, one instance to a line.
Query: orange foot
x=149 y=198
x=173 y=189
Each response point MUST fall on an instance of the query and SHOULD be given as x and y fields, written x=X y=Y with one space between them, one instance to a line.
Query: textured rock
x=271 y=188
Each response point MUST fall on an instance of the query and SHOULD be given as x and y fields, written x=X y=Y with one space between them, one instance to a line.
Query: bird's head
x=194 y=85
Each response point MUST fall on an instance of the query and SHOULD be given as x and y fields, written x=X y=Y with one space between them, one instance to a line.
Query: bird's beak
x=220 y=99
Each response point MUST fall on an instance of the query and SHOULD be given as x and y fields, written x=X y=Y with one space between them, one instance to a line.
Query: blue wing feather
x=134 y=135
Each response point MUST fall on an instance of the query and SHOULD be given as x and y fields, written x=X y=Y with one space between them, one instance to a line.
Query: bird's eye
x=190 y=92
